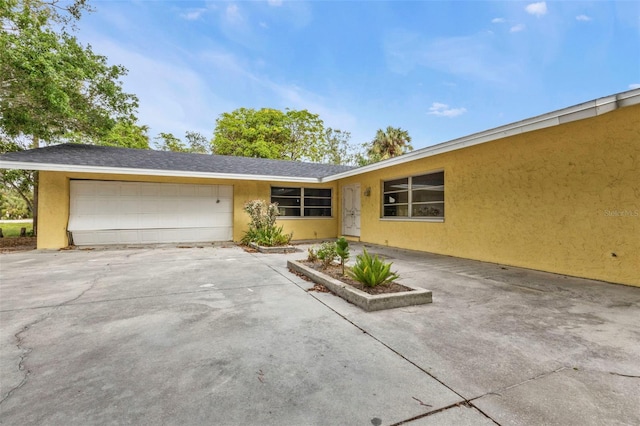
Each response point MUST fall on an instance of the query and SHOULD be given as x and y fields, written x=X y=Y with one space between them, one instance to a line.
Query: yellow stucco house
x=558 y=192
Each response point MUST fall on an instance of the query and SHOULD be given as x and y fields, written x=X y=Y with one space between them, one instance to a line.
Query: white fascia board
x=148 y=172
x=578 y=112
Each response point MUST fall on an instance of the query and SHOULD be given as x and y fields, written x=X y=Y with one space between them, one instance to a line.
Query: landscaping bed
x=335 y=271
x=275 y=249
x=12 y=244
x=384 y=299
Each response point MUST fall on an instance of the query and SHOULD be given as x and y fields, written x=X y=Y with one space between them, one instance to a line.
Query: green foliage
x=126 y=134
x=195 y=143
x=51 y=86
x=250 y=133
x=262 y=227
x=337 y=149
x=388 y=143
x=327 y=253
x=12 y=229
x=342 y=250
x=371 y=271
x=305 y=133
x=12 y=206
x=168 y=142
x=312 y=256
x=267 y=237
x=16 y=186
x=271 y=133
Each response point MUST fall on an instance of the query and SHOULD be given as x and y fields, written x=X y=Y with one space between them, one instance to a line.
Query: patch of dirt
x=13 y=244
x=335 y=271
x=319 y=288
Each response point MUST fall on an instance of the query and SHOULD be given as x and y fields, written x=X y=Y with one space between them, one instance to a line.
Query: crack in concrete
x=19 y=336
x=95 y=280
x=624 y=375
x=119 y=299
x=531 y=379
x=23 y=357
x=465 y=401
x=466 y=404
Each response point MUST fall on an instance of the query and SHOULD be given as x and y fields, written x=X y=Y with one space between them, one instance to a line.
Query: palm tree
x=389 y=143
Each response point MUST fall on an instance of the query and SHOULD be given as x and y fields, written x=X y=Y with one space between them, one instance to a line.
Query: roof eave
x=578 y=112
x=24 y=165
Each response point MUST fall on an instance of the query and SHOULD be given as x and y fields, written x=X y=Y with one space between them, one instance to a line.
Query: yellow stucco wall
x=53 y=205
x=565 y=199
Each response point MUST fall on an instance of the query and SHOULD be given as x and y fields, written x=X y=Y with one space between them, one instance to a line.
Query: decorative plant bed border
x=279 y=249
x=365 y=301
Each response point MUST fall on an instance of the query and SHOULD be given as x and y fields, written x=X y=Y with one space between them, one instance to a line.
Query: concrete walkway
x=215 y=335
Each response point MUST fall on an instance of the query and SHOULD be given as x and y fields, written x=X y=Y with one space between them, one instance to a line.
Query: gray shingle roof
x=102 y=156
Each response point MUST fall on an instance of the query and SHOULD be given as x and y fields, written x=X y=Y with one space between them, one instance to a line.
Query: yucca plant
x=371 y=271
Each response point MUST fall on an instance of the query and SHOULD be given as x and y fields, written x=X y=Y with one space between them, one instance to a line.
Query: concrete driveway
x=215 y=335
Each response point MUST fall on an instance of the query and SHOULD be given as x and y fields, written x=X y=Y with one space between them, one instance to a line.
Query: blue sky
x=438 y=69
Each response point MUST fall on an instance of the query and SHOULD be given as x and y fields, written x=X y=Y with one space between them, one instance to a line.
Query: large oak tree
x=52 y=87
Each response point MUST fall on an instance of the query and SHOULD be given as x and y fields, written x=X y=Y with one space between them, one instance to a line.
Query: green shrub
x=262 y=228
x=272 y=236
x=342 y=250
x=327 y=253
x=312 y=256
x=371 y=271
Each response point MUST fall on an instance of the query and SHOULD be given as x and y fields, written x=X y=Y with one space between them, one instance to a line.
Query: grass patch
x=11 y=230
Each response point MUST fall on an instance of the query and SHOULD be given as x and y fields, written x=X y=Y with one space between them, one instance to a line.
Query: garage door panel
x=131 y=189
x=225 y=206
x=223 y=219
x=106 y=212
x=225 y=192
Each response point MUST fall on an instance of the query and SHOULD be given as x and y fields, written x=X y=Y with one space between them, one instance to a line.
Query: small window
x=302 y=202
x=414 y=197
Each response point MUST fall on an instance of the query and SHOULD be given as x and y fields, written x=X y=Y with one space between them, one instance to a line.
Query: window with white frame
x=420 y=197
x=302 y=202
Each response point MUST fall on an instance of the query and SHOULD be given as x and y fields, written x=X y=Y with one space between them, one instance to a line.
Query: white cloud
x=583 y=18
x=173 y=97
x=251 y=85
x=537 y=9
x=233 y=13
x=474 y=57
x=498 y=21
x=634 y=86
x=193 y=15
x=517 y=28
x=274 y=3
x=442 y=110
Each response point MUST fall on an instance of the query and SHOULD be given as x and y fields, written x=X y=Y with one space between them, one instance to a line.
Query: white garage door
x=103 y=212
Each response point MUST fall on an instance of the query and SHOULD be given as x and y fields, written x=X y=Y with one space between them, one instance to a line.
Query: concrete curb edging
x=365 y=301
x=279 y=249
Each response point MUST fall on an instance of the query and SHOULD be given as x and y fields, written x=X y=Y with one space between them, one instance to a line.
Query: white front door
x=351 y=210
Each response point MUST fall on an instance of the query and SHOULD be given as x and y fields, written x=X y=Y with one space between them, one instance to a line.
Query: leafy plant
x=262 y=228
x=327 y=253
x=342 y=250
x=312 y=256
x=371 y=271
